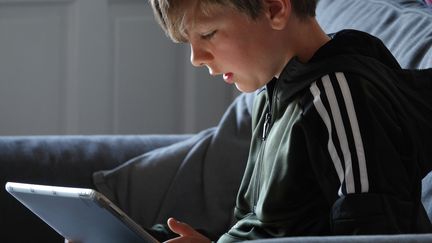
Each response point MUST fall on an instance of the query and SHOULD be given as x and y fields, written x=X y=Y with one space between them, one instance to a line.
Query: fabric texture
x=403 y=25
x=195 y=180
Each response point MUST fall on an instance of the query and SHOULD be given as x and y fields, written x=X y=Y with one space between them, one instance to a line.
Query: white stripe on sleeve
x=340 y=130
x=319 y=106
x=355 y=130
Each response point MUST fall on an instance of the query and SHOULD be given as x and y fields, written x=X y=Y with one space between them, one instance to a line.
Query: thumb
x=180 y=228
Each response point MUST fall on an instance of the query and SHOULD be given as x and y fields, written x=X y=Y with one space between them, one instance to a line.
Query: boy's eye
x=208 y=35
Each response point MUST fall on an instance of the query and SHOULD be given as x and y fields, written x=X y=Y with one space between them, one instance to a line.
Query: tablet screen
x=79 y=214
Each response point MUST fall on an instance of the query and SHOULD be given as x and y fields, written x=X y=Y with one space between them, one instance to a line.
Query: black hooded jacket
x=339 y=146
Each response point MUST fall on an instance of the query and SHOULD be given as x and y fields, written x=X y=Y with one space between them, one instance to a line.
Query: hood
x=347 y=51
x=354 y=42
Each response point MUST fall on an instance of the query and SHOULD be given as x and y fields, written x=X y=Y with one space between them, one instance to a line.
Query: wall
x=98 y=67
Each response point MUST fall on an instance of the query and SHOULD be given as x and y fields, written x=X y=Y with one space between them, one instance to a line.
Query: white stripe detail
x=319 y=106
x=340 y=130
x=355 y=130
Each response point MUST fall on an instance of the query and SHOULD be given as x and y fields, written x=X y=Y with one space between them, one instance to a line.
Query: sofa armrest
x=61 y=161
x=420 y=238
x=71 y=160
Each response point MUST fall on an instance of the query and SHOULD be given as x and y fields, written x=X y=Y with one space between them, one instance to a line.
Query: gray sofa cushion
x=405 y=26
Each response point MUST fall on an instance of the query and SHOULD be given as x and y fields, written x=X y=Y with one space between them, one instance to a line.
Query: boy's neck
x=308 y=37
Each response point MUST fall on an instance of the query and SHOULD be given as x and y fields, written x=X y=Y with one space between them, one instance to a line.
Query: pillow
x=195 y=180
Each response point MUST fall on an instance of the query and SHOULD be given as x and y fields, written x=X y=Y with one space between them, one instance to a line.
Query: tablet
x=79 y=214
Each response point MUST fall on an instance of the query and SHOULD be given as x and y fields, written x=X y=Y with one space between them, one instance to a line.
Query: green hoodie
x=332 y=150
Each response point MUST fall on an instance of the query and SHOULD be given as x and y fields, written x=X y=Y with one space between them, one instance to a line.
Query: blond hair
x=171 y=14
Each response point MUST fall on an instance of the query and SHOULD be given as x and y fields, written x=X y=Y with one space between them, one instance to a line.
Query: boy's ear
x=278 y=12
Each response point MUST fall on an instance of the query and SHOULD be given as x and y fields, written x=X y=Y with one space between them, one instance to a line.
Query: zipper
x=258 y=179
x=266 y=129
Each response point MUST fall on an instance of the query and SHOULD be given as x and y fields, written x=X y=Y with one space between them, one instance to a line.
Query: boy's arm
x=355 y=128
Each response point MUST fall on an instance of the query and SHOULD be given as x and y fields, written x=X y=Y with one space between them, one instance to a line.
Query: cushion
x=403 y=25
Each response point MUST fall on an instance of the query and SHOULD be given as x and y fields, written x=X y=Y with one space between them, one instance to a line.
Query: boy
x=333 y=150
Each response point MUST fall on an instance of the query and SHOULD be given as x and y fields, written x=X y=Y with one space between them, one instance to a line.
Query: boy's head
x=171 y=14
x=247 y=41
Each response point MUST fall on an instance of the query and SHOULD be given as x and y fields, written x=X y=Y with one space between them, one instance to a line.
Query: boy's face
x=232 y=44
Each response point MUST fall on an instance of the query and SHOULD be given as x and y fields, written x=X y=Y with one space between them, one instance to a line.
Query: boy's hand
x=187 y=233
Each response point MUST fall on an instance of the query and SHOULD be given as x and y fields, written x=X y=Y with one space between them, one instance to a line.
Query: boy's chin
x=246 y=88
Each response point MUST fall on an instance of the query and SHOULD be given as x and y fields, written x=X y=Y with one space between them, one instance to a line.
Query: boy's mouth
x=228 y=78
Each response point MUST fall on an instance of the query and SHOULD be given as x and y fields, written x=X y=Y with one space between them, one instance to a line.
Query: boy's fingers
x=68 y=241
x=181 y=228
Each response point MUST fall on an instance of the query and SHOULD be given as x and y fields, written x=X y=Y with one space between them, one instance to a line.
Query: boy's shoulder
x=333 y=90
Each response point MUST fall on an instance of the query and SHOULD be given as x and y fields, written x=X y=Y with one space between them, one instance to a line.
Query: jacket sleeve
x=362 y=156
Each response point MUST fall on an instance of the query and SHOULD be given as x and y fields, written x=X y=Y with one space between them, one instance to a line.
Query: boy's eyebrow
x=199 y=22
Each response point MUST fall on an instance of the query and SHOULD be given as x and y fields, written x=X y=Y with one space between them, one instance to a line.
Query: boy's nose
x=199 y=56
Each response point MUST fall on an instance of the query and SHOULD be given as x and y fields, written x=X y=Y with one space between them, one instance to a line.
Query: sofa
x=194 y=177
